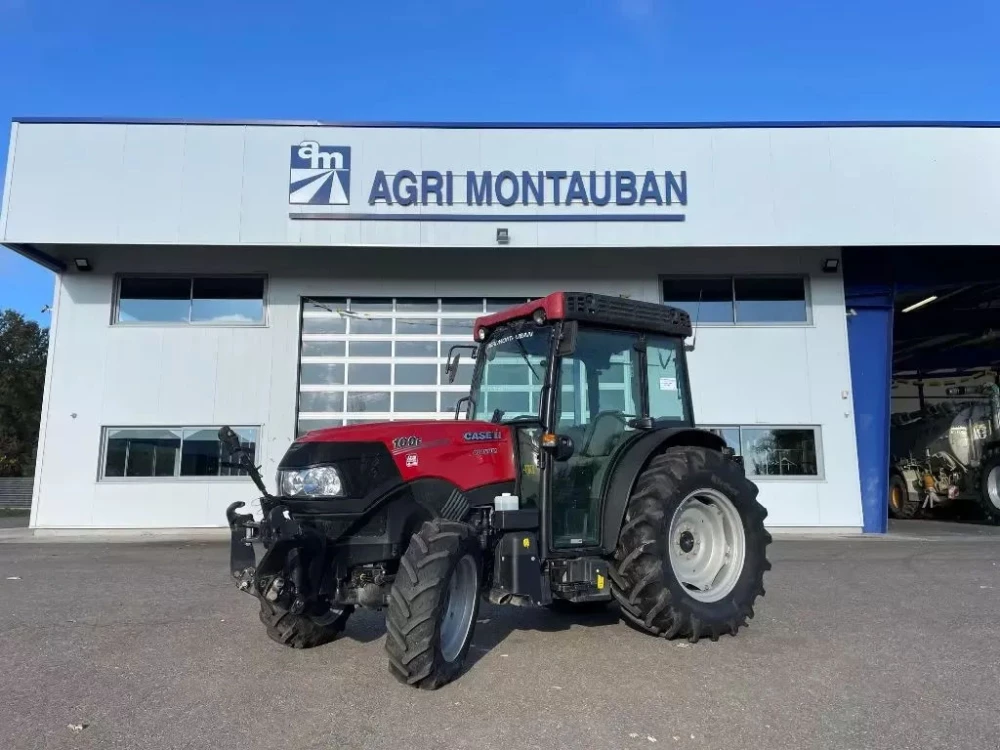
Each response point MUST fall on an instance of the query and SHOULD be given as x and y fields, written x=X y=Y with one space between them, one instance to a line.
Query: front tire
x=902 y=502
x=318 y=625
x=989 y=488
x=433 y=605
x=691 y=553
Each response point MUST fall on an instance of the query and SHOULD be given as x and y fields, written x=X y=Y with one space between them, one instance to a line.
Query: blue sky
x=594 y=60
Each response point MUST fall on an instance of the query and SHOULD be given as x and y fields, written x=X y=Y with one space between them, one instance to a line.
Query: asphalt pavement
x=859 y=643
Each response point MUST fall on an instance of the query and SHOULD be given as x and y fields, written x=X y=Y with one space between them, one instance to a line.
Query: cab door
x=598 y=398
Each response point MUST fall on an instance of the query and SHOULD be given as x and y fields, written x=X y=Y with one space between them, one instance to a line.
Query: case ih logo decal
x=320 y=175
x=476 y=436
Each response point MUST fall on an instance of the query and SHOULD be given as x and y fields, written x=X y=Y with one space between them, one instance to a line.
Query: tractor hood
x=466 y=453
x=402 y=432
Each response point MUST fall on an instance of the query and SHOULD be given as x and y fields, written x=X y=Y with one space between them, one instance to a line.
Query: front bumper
x=315 y=542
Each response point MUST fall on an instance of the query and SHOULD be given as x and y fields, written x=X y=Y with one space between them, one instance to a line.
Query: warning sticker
x=668 y=384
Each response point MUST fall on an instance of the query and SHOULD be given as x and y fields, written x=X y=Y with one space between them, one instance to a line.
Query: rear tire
x=433 y=605
x=902 y=502
x=989 y=488
x=312 y=628
x=692 y=508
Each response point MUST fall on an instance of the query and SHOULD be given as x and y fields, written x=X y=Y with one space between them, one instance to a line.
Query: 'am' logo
x=320 y=175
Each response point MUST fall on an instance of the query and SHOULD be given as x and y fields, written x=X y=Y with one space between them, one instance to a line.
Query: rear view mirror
x=454 y=355
x=567 y=342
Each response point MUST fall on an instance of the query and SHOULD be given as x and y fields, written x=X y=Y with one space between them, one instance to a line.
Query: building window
x=366 y=359
x=150 y=452
x=735 y=300
x=774 y=451
x=200 y=300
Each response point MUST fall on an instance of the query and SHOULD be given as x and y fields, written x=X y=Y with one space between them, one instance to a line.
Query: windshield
x=508 y=384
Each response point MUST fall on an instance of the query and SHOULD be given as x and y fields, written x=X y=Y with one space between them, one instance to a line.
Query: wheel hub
x=686 y=541
x=707 y=545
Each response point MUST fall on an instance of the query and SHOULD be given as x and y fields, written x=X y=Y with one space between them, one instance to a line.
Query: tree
x=23 y=349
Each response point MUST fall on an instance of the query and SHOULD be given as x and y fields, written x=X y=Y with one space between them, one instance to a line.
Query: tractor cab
x=579 y=383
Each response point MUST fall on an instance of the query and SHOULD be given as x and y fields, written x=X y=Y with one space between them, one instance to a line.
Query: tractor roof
x=597 y=309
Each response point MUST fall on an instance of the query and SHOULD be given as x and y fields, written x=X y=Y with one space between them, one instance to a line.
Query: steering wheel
x=588 y=436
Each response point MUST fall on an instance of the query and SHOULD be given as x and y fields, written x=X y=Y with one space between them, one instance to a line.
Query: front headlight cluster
x=320 y=481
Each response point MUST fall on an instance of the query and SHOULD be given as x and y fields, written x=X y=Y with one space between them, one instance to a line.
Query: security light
x=830 y=265
x=82 y=264
x=503 y=236
x=921 y=303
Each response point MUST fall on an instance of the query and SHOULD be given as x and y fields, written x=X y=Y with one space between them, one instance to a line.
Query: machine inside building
x=945 y=402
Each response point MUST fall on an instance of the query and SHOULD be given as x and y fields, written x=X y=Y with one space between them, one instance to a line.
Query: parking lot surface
x=859 y=643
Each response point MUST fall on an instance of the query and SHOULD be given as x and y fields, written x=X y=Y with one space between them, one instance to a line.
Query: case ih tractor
x=576 y=477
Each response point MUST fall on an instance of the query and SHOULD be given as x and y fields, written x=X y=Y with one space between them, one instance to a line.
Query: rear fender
x=625 y=473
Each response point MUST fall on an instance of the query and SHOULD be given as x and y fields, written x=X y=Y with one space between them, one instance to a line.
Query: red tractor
x=577 y=476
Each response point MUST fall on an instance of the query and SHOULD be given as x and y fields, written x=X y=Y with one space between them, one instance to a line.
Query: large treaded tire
x=418 y=601
x=986 y=504
x=302 y=631
x=642 y=580
x=909 y=505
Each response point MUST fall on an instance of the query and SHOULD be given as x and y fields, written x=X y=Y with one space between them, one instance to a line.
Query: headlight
x=322 y=481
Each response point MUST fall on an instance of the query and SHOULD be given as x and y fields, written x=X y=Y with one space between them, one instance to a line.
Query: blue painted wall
x=869 y=339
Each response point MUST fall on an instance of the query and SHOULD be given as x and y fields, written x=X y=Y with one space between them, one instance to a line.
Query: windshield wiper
x=524 y=352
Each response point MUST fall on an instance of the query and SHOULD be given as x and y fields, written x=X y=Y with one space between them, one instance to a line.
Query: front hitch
x=243 y=530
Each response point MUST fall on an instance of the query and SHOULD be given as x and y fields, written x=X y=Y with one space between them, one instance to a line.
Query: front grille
x=333 y=526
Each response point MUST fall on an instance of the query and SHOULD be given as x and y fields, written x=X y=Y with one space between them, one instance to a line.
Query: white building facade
x=282 y=277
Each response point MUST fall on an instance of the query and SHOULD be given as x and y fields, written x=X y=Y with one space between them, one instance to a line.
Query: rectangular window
x=770 y=300
x=224 y=300
x=771 y=452
x=171 y=452
x=665 y=379
x=322 y=374
x=707 y=300
x=736 y=300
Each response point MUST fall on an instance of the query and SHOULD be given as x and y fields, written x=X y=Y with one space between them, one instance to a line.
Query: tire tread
x=641 y=568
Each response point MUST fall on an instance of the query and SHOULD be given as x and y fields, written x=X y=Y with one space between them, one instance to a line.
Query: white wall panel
x=763 y=187
x=151 y=184
x=211 y=185
x=147 y=375
x=69 y=178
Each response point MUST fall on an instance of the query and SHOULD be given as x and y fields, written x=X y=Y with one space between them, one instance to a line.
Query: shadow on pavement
x=495 y=623
x=14 y=519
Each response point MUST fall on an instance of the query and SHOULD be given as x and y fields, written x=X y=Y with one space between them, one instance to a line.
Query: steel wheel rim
x=896 y=497
x=707 y=545
x=993 y=486
x=459 y=608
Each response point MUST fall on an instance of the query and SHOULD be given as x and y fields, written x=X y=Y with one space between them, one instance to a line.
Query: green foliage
x=23 y=349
